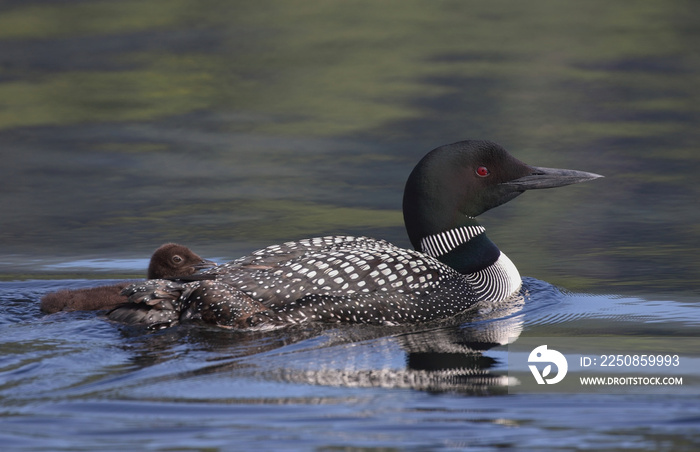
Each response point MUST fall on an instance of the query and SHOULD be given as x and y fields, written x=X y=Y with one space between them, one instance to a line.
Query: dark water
x=228 y=126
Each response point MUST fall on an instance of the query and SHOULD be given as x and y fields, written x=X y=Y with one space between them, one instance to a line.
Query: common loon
x=363 y=280
x=169 y=261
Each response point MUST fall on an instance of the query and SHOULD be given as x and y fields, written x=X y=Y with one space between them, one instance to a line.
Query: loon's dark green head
x=459 y=181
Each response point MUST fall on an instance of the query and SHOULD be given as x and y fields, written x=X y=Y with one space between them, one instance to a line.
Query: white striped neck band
x=438 y=244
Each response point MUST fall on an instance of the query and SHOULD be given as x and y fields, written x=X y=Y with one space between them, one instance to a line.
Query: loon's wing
x=446 y=299
x=331 y=267
x=329 y=279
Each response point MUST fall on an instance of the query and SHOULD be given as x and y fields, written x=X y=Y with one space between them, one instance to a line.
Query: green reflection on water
x=50 y=20
x=330 y=68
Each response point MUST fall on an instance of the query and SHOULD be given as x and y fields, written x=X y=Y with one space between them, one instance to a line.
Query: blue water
x=76 y=381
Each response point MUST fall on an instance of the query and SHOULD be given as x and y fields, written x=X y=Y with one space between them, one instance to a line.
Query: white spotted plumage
x=338 y=279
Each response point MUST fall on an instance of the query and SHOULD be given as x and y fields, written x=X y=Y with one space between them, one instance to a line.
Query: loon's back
x=347 y=279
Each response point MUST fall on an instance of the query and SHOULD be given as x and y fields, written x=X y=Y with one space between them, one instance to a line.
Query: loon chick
x=363 y=280
x=170 y=261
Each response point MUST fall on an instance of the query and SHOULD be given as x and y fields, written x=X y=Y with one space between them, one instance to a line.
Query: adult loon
x=169 y=261
x=363 y=280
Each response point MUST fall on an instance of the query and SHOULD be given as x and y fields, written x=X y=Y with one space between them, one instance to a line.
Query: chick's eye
x=482 y=171
x=177 y=259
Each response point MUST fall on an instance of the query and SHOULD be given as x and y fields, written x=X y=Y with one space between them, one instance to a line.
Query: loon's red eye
x=482 y=171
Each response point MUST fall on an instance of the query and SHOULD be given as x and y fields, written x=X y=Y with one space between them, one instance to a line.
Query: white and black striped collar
x=438 y=244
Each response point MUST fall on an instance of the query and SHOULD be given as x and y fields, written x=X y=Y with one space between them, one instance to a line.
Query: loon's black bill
x=550 y=178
